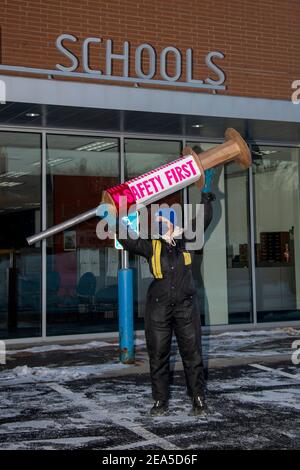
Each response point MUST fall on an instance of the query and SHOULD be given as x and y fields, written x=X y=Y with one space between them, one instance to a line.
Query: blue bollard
x=125 y=298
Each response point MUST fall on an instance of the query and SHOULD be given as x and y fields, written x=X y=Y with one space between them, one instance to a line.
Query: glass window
x=81 y=269
x=142 y=156
x=222 y=268
x=277 y=232
x=20 y=264
x=238 y=251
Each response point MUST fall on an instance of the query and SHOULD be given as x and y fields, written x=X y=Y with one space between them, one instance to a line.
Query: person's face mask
x=163 y=228
x=166 y=221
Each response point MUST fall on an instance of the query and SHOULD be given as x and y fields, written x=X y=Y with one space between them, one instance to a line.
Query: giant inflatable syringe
x=162 y=181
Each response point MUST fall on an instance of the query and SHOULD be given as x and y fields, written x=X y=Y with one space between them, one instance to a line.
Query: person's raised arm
x=206 y=198
x=125 y=235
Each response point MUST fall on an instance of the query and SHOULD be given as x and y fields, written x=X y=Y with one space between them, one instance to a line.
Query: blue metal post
x=126 y=336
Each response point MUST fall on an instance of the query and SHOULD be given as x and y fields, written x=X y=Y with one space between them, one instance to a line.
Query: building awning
x=72 y=105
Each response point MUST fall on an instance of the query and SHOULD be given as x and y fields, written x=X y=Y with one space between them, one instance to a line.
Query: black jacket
x=170 y=265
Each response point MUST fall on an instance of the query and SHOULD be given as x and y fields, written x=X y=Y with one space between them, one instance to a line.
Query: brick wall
x=260 y=38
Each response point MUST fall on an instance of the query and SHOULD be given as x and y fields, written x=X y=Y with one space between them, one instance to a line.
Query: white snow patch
x=289 y=398
x=60 y=347
x=25 y=426
x=59 y=374
x=219 y=344
x=139 y=342
x=246 y=333
x=53 y=444
x=72 y=347
x=250 y=380
x=248 y=343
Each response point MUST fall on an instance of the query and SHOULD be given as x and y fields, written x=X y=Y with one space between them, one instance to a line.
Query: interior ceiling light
x=58 y=161
x=261 y=153
x=9 y=184
x=97 y=146
x=197 y=126
x=14 y=174
x=32 y=115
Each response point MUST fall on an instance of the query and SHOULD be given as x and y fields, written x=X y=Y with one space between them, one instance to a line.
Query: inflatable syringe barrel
x=165 y=180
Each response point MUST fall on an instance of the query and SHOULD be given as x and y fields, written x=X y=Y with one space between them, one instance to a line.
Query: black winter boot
x=159 y=408
x=198 y=405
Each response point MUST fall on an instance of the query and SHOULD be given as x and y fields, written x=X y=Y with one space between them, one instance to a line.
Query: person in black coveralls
x=172 y=305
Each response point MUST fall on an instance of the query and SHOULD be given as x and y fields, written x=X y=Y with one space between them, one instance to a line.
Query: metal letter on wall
x=85 y=54
x=139 y=61
x=164 y=63
x=215 y=68
x=110 y=57
x=66 y=52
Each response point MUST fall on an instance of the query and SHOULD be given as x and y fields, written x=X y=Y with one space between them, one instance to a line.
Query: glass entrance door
x=20 y=264
x=82 y=293
x=222 y=269
x=277 y=233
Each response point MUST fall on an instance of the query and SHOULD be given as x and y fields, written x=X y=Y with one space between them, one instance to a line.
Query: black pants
x=160 y=321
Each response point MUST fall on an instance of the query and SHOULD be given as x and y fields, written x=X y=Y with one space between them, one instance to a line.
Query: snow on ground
x=247 y=408
x=58 y=374
x=76 y=407
x=225 y=344
x=61 y=347
x=249 y=381
x=250 y=343
x=288 y=398
x=270 y=332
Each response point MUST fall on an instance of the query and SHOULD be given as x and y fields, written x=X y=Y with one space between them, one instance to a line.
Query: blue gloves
x=209 y=174
x=131 y=220
x=103 y=212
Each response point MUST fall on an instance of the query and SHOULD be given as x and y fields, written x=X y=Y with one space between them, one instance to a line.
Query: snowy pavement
x=66 y=397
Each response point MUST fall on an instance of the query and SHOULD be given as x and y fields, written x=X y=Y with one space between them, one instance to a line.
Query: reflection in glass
x=81 y=269
x=238 y=245
x=277 y=234
x=20 y=264
x=221 y=269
